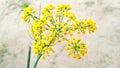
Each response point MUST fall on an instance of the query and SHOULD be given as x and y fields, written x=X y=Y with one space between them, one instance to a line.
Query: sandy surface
x=103 y=45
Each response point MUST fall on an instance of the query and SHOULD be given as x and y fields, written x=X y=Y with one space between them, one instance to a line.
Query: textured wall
x=103 y=45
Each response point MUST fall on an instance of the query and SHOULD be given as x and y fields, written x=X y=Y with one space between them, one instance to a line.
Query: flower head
x=27 y=13
x=76 y=47
x=53 y=26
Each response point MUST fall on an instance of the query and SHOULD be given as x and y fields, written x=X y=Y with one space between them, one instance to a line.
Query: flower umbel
x=27 y=13
x=54 y=25
x=76 y=47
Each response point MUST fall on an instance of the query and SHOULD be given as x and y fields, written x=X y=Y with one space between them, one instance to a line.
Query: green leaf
x=25 y=5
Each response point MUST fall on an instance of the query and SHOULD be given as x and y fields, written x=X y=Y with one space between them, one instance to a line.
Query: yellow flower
x=59 y=40
x=78 y=32
x=51 y=49
x=47 y=42
x=27 y=13
x=74 y=56
x=91 y=25
x=70 y=52
x=70 y=15
x=53 y=26
x=50 y=39
x=66 y=48
x=43 y=56
x=63 y=38
x=71 y=34
x=63 y=7
x=49 y=7
x=65 y=33
x=76 y=47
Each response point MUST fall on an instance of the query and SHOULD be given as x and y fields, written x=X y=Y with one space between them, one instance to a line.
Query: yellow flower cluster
x=53 y=26
x=27 y=13
x=76 y=47
x=46 y=12
x=63 y=7
x=83 y=25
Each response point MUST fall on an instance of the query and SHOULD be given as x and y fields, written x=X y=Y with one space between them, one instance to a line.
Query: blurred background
x=103 y=45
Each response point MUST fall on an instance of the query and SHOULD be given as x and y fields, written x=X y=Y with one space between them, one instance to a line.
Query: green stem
x=36 y=62
x=61 y=18
x=29 y=55
x=33 y=17
x=53 y=19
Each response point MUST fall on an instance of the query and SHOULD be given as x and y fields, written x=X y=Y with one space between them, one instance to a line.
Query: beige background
x=103 y=45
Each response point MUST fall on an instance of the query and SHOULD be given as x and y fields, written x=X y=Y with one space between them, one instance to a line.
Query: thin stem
x=40 y=11
x=33 y=17
x=61 y=18
x=36 y=62
x=53 y=19
x=29 y=55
